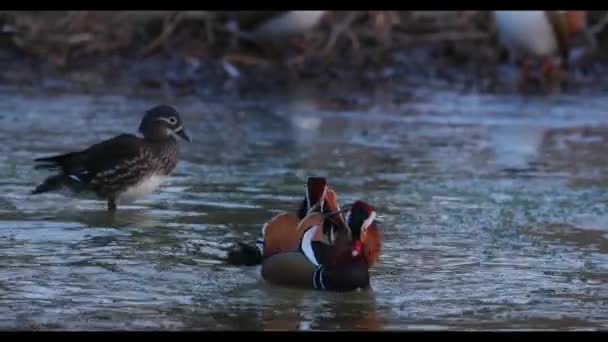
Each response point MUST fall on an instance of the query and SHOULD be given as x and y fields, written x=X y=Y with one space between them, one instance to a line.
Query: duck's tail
x=52 y=183
x=244 y=254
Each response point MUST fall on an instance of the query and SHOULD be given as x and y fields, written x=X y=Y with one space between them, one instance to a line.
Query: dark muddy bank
x=129 y=53
x=398 y=74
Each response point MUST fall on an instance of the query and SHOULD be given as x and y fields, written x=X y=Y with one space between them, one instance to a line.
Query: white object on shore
x=288 y=23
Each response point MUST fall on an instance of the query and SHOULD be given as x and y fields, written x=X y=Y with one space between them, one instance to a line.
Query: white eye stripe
x=366 y=223
x=171 y=121
x=369 y=221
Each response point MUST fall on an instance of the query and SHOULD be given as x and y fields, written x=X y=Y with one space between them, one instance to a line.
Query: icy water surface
x=493 y=208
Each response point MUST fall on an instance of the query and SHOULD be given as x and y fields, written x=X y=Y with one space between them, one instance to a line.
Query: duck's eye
x=173 y=120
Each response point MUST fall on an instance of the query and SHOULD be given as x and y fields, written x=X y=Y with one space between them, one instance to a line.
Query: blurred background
x=195 y=51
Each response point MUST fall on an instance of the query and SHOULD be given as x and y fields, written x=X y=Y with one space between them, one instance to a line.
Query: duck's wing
x=280 y=234
x=312 y=219
x=102 y=160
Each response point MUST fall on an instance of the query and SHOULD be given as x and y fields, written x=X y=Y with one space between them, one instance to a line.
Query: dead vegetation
x=192 y=49
x=62 y=37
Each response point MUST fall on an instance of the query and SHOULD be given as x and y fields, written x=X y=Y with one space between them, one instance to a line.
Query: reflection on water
x=492 y=208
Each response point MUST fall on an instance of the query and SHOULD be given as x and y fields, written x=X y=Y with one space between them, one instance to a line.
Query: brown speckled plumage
x=121 y=164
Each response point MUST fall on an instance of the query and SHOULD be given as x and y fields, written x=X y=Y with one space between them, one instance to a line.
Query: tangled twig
x=592 y=32
x=339 y=29
x=169 y=25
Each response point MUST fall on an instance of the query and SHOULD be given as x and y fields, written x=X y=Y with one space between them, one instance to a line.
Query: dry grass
x=60 y=37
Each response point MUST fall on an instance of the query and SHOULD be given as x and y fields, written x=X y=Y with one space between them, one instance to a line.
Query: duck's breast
x=144 y=187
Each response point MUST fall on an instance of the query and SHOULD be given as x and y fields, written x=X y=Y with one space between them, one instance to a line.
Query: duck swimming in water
x=324 y=250
x=339 y=261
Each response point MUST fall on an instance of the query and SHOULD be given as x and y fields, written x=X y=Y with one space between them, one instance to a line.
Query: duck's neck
x=159 y=138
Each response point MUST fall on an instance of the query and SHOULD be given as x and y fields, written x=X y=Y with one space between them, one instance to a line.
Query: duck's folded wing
x=121 y=156
x=118 y=160
x=280 y=234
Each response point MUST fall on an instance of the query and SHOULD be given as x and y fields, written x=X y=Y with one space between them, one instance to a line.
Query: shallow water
x=493 y=210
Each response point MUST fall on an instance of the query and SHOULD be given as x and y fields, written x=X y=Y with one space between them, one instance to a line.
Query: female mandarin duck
x=316 y=248
x=540 y=34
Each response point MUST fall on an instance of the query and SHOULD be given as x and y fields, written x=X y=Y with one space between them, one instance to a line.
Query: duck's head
x=161 y=123
x=365 y=235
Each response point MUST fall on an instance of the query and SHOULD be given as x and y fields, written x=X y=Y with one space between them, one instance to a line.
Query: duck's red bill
x=357 y=245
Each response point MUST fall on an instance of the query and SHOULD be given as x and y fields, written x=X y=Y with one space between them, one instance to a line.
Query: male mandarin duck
x=339 y=261
x=315 y=246
x=539 y=34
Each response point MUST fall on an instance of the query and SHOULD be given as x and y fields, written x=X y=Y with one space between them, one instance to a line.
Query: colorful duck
x=338 y=264
x=320 y=250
